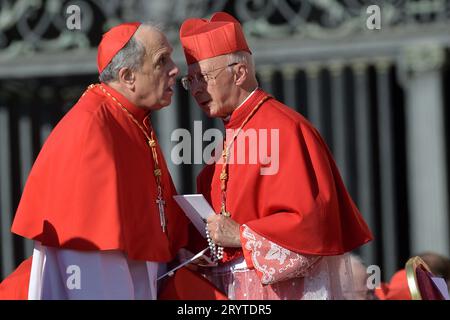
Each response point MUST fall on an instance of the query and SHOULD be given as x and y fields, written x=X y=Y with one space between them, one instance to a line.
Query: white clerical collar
x=227 y=118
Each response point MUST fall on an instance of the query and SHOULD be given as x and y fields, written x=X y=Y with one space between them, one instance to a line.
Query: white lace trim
x=254 y=245
x=277 y=253
x=263 y=252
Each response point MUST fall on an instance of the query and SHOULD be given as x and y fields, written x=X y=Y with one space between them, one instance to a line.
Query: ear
x=241 y=74
x=127 y=77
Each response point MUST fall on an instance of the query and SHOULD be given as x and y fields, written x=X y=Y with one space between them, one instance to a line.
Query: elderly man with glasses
x=277 y=234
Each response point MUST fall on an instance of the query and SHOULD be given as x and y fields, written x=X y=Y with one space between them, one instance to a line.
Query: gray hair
x=131 y=56
x=242 y=57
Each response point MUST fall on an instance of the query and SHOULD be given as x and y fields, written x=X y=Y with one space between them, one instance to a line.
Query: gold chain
x=150 y=139
x=226 y=153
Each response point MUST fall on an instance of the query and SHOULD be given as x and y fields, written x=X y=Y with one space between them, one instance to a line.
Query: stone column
x=389 y=239
x=289 y=71
x=364 y=156
x=26 y=157
x=339 y=118
x=313 y=87
x=6 y=206
x=421 y=75
x=265 y=74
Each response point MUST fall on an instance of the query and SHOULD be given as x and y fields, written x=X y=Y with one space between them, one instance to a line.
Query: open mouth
x=205 y=104
x=169 y=89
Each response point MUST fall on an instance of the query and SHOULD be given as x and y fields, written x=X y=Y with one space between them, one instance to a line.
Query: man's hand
x=224 y=231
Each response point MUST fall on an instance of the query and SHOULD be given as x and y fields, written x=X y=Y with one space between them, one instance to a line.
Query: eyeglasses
x=202 y=78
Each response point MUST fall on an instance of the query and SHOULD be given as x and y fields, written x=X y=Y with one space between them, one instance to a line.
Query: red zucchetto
x=113 y=41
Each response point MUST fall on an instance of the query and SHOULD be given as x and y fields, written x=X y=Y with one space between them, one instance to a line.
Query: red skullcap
x=113 y=41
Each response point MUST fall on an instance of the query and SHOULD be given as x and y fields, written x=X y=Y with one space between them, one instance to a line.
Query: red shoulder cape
x=304 y=205
x=92 y=186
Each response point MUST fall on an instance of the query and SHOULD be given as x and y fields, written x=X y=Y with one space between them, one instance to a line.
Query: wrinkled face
x=155 y=80
x=212 y=86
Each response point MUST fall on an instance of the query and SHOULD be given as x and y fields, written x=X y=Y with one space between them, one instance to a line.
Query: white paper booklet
x=172 y=271
x=196 y=208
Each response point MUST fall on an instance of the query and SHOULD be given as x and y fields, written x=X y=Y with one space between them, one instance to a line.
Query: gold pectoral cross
x=162 y=217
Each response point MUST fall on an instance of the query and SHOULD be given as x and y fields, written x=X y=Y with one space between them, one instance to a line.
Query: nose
x=174 y=70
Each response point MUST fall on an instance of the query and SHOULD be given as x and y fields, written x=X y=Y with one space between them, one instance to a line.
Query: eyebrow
x=163 y=50
x=161 y=53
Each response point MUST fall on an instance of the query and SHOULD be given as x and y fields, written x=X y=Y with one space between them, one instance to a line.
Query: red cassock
x=189 y=285
x=92 y=185
x=15 y=286
x=304 y=205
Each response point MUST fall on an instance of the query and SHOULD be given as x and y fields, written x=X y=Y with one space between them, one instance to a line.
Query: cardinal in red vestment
x=285 y=221
x=99 y=199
